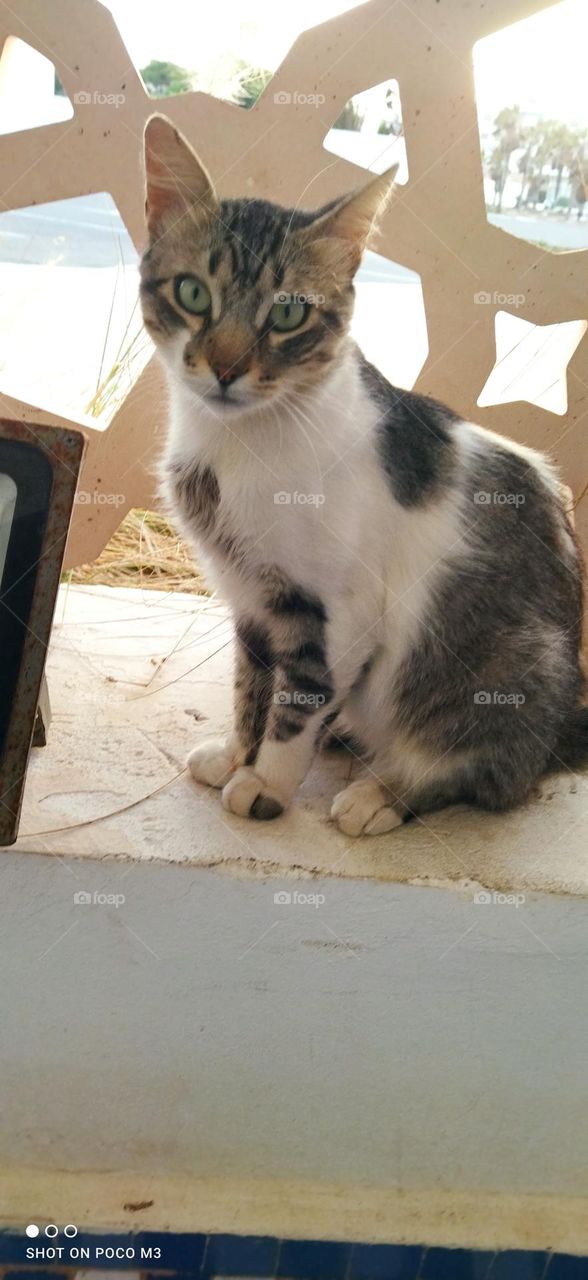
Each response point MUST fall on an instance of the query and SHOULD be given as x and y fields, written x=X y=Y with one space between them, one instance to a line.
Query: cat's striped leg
x=303 y=688
x=214 y=761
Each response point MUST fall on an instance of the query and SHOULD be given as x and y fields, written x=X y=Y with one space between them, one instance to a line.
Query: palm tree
x=510 y=134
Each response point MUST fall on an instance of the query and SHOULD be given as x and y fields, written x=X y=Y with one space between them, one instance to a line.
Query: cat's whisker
x=296 y=415
x=278 y=422
x=338 y=457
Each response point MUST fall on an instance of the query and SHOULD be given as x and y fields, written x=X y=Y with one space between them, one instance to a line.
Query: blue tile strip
x=564 y=1268
x=385 y=1262
x=241 y=1256
x=197 y=1257
x=455 y=1264
x=313 y=1260
x=517 y=1265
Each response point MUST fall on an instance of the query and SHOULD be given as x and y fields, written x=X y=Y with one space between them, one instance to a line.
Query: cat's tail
x=572 y=749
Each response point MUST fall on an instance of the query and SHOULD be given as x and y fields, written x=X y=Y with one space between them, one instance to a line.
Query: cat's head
x=247 y=302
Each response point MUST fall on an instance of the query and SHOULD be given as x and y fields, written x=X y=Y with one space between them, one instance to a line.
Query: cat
x=395 y=573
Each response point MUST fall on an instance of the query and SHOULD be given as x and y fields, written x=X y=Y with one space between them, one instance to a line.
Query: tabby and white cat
x=389 y=566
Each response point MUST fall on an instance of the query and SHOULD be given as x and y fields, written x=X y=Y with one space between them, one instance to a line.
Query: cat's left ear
x=355 y=217
x=176 y=181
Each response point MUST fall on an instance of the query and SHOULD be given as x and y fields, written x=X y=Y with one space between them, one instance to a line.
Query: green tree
x=165 y=78
x=560 y=146
x=351 y=117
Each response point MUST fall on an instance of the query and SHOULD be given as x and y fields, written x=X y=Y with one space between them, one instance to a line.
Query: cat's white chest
x=310 y=497
x=304 y=509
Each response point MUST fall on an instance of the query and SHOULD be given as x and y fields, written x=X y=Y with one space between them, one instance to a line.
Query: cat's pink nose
x=228 y=373
x=225 y=374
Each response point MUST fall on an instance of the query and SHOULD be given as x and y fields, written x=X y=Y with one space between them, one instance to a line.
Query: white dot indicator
x=51 y=1230
x=70 y=1230
x=32 y=1230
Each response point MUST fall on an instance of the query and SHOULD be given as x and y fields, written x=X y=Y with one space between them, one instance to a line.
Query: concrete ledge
x=318 y=1211
x=137 y=678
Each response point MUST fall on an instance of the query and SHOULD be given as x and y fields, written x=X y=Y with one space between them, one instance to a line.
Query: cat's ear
x=354 y=218
x=176 y=181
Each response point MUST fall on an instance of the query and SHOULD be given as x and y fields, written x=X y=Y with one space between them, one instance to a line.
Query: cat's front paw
x=213 y=762
x=250 y=797
x=362 y=810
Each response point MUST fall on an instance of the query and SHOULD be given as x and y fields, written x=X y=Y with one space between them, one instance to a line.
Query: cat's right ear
x=177 y=184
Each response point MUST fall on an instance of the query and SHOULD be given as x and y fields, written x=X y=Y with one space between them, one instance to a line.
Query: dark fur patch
x=198 y=494
x=157 y=311
x=253 y=685
x=310 y=651
x=254 y=231
x=414 y=439
x=285 y=727
x=289 y=599
x=301 y=344
x=256 y=641
x=572 y=748
x=265 y=808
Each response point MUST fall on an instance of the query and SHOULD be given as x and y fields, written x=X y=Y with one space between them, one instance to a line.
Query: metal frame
x=44 y=463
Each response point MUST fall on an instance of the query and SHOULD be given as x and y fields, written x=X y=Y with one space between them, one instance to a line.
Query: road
x=85 y=232
x=560 y=233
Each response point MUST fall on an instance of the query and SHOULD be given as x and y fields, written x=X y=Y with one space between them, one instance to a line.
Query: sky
x=539 y=64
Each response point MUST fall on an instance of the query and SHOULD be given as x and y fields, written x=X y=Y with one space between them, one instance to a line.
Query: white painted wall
x=395 y=1035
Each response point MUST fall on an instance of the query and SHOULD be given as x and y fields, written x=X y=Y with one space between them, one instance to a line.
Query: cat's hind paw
x=212 y=762
x=362 y=809
x=249 y=796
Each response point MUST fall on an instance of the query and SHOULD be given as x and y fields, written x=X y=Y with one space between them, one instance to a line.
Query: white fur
x=215 y=761
x=363 y=809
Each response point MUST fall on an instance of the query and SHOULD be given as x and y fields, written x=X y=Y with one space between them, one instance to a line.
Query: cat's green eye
x=192 y=294
x=288 y=315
